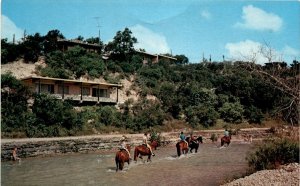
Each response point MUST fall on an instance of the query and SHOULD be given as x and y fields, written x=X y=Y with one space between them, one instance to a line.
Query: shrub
x=268 y=155
x=232 y=112
x=213 y=137
x=254 y=115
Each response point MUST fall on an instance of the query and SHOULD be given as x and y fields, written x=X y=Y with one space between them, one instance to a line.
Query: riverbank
x=33 y=147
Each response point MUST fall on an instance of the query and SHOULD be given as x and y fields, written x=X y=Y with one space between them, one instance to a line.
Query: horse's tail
x=222 y=142
x=178 y=148
x=117 y=163
x=200 y=139
x=136 y=153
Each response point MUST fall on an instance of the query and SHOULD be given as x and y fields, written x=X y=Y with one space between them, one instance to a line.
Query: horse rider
x=145 y=142
x=182 y=138
x=123 y=146
x=226 y=133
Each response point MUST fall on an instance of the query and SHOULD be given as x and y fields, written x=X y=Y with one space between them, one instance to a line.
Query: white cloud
x=289 y=54
x=8 y=28
x=205 y=14
x=257 y=19
x=150 y=41
x=287 y=50
x=249 y=50
x=246 y=50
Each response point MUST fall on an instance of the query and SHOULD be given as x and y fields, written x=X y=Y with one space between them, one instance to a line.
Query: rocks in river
x=287 y=175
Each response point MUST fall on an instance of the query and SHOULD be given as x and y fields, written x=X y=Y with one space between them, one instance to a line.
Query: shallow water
x=210 y=166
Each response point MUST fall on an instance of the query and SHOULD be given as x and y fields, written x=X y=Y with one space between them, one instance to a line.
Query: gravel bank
x=287 y=175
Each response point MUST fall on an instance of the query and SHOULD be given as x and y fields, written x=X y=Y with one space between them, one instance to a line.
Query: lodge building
x=80 y=91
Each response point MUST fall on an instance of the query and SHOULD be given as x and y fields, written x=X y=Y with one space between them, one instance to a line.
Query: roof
x=72 y=81
x=78 y=42
x=156 y=55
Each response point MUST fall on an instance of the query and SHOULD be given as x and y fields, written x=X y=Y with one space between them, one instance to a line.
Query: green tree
x=50 y=42
x=50 y=111
x=122 y=45
x=9 y=51
x=181 y=59
x=14 y=110
x=32 y=47
x=232 y=112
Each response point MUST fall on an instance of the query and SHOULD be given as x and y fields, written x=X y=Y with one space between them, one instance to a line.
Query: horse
x=121 y=157
x=143 y=150
x=194 y=144
x=225 y=140
x=182 y=147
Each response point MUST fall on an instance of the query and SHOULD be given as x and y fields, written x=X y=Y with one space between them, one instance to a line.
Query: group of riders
x=146 y=137
x=182 y=137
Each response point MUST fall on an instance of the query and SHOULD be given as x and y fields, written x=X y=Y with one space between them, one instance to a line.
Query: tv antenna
x=98 y=26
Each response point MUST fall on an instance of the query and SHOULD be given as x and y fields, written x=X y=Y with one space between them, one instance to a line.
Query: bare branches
x=281 y=77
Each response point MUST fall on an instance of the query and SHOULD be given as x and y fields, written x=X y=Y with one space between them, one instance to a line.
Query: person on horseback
x=182 y=138
x=193 y=139
x=145 y=142
x=226 y=133
x=124 y=146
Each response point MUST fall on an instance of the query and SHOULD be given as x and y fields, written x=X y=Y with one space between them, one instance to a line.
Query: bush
x=254 y=115
x=268 y=155
x=213 y=137
x=232 y=112
x=50 y=112
x=14 y=96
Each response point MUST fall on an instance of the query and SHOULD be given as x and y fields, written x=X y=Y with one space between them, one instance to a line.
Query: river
x=210 y=166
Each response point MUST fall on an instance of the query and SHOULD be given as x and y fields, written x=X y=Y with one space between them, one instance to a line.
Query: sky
x=235 y=30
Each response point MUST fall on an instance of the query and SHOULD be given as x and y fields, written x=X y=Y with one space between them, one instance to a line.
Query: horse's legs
x=149 y=158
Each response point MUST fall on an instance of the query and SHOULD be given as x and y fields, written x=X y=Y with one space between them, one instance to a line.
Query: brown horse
x=182 y=147
x=225 y=140
x=142 y=150
x=121 y=157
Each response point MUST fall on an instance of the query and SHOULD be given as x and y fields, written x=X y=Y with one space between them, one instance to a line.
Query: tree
x=50 y=42
x=284 y=79
x=181 y=59
x=122 y=45
x=14 y=96
x=232 y=112
x=80 y=38
x=9 y=51
x=32 y=47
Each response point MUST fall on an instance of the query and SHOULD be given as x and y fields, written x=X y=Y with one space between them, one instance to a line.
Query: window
x=60 y=89
x=100 y=92
x=85 y=91
x=45 y=88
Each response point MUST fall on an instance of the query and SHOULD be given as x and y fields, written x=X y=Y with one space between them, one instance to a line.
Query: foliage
x=122 y=45
x=9 y=51
x=213 y=137
x=32 y=47
x=52 y=114
x=181 y=59
x=76 y=61
x=269 y=154
x=50 y=41
x=14 y=96
x=155 y=136
x=232 y=112
x=253 y=114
